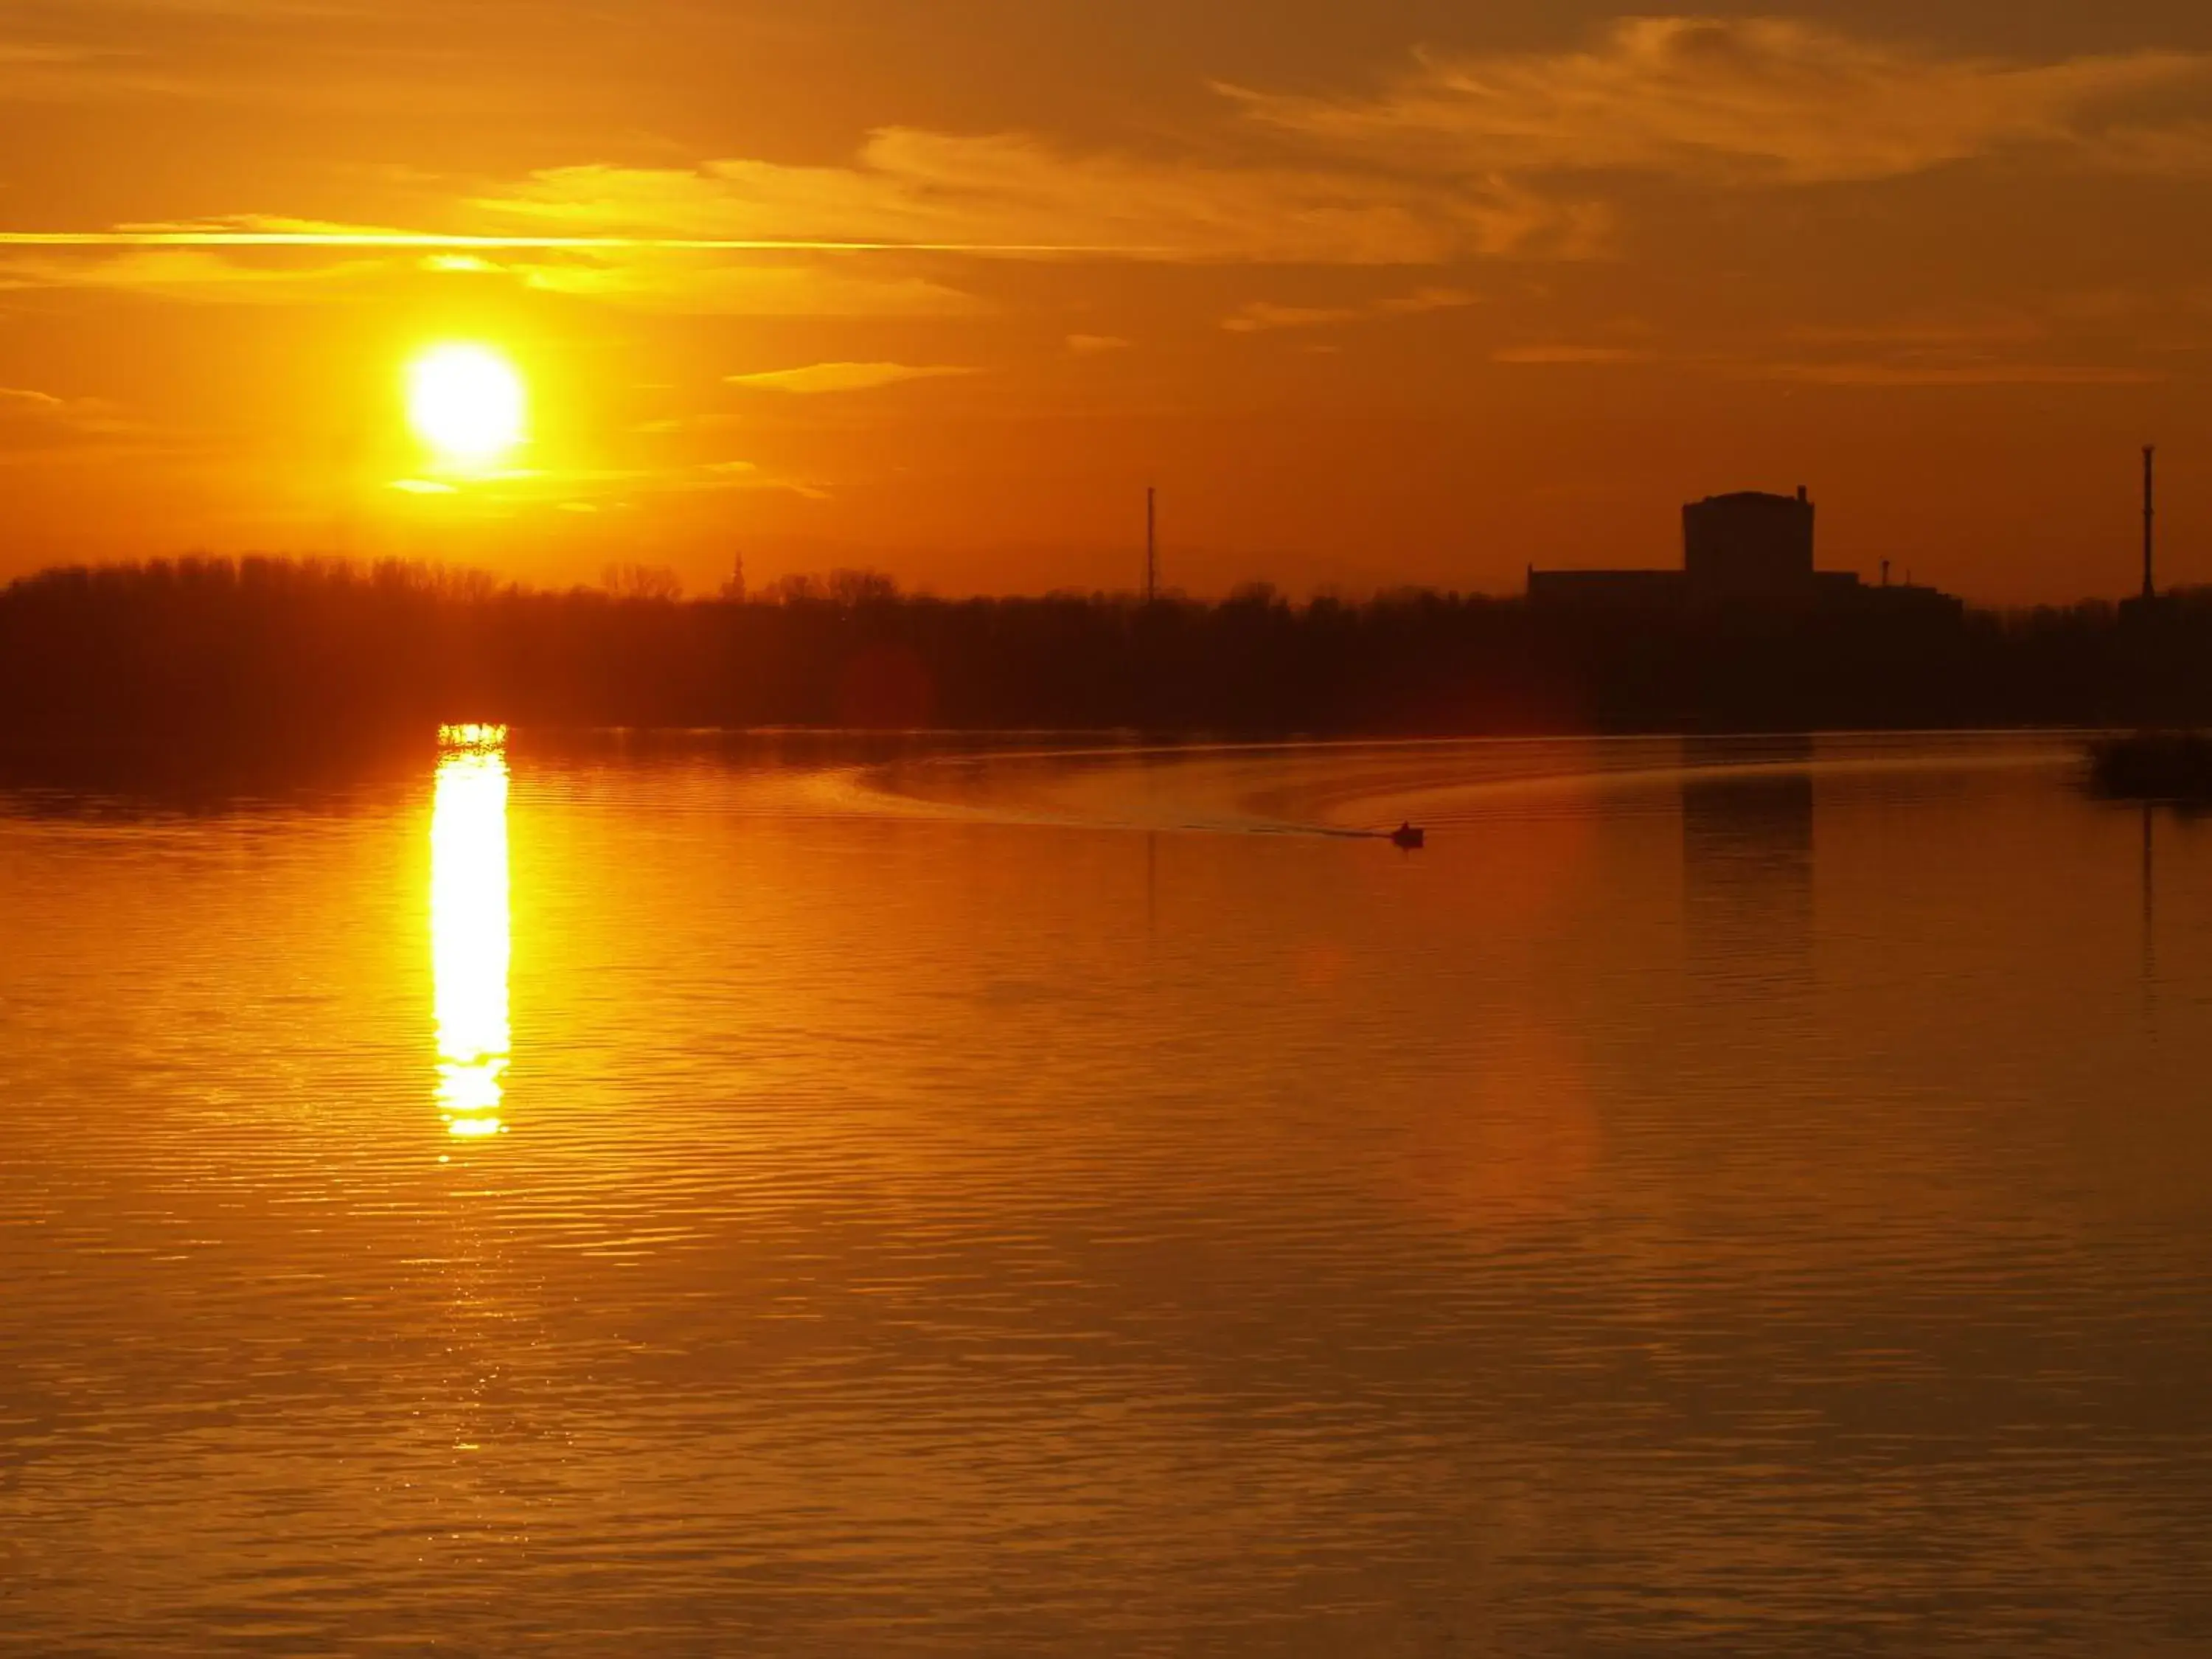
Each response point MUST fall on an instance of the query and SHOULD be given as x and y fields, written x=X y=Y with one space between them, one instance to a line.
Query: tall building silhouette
x=1748 y=549
x=1750 y=546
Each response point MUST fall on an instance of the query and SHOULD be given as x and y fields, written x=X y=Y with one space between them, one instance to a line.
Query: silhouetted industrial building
x=1747 y=549
x=1748 y=545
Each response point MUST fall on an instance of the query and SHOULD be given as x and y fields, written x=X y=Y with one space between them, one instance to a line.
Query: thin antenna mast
x=1151 y=547
x=2150 y=518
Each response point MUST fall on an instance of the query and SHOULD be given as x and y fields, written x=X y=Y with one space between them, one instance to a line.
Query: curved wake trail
x=1358 y=791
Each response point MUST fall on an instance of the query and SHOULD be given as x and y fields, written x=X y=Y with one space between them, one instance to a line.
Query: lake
x=783 y=1195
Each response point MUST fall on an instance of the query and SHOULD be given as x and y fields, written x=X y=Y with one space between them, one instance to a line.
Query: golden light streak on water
x=471 y=938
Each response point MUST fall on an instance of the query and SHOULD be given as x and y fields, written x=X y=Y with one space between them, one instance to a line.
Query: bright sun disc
x=467 y=403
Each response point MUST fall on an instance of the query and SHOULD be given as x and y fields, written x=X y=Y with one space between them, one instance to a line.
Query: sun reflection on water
x=470 y=927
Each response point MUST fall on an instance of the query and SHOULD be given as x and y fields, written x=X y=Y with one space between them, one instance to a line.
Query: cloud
x=1930 y=334
x=573 y=490
x=748 y=475
x=843 y=377
x=1590 y=356
x=696 y=286
x=260 y=231
x=1012 y=195
x=1886 y=374
x=35 y=423
x=46 y=72
x=187 y=274
x=1753 y=101
x=1463 y=157
x=1092 y=345
x=2179 y=149
x=255 y=10
x=269 y=259
x=756 y=238
x=295 y=55
x=1424 y=299
x=1927 y=357
x=1263 y=316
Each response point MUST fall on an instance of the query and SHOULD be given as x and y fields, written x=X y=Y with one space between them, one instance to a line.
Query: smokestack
x=1802 y=496
x=2150 y=520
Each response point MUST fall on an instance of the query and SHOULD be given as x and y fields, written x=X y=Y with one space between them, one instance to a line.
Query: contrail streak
x=411 y=241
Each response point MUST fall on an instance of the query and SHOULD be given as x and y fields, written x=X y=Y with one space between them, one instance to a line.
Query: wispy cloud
x=43 y=71
x=1904 y=374
x=1748 y=101
x=2179 y=149
x=844 y=377
x=786 y=287
x=265 y=259
x=1264 y=316
x=252 y=231
x=321 y=55
x=33 y=423
x=1572 y=356
x=750 y=475
x=1463 y=158
x=128 y=11
x=1424 y=299
x=23 y=409
x=758 y=239
x=594 y=488
x=1093 y=345
x=16 y=399
x=1907 y=369
x=1015 y=195
x=187 y=274
x=1930 y=334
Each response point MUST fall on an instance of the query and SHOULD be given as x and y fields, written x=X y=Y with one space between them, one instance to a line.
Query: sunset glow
x=1401 y=294
x=1023 y=827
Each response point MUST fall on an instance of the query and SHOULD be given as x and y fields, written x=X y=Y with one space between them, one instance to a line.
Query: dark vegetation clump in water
x=2171 y=766
x=193 y=654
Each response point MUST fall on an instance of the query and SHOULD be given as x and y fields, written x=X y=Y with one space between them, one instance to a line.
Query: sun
x=468 y=403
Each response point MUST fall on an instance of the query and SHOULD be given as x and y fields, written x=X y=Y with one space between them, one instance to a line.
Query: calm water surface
x=704 y=1200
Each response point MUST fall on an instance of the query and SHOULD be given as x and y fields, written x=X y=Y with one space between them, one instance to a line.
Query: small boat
x=1408 y=837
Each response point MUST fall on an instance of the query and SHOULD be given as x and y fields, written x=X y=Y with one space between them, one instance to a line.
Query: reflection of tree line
x=260 y=645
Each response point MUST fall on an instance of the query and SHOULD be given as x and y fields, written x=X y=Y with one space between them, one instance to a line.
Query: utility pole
x=1151 y=547
x=2150 y=518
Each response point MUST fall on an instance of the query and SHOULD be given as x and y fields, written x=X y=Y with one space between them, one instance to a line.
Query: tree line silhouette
x=214 y=650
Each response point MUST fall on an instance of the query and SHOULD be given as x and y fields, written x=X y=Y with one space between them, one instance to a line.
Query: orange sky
x=1408 y=291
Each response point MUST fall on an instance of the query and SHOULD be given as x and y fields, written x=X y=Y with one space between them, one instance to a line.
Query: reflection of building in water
x=1747 y=858
x=469 y=927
